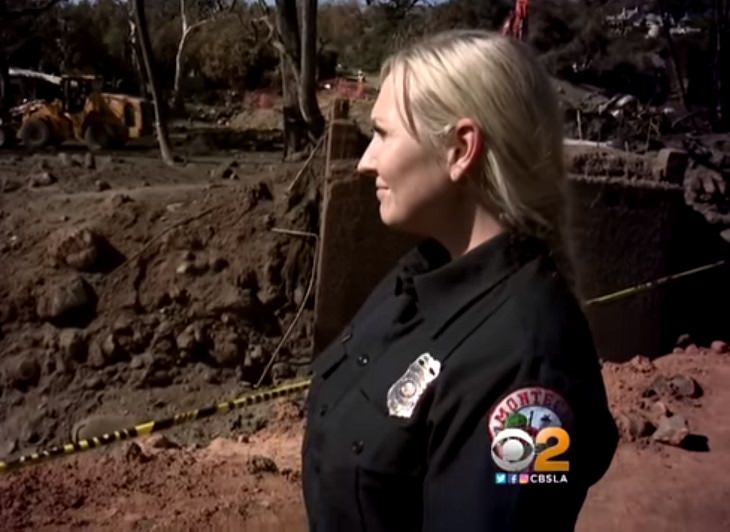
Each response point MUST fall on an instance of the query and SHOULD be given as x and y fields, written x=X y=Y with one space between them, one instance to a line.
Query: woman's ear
x=465 y=150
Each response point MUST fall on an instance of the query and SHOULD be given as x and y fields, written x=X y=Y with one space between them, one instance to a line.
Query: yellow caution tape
x=268 y=395
x=643 y=287
x=149 y=427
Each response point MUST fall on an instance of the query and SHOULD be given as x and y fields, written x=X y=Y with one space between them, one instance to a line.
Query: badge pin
x=405 y=392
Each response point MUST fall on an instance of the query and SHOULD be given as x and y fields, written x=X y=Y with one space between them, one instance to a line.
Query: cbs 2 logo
x=514 y=450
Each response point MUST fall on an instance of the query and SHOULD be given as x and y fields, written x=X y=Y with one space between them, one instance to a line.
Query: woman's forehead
x=385 y=109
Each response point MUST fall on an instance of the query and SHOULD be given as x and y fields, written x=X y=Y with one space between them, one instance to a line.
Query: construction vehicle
x=81 y=111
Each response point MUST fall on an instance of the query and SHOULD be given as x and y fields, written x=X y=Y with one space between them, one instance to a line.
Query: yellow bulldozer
x=83 y=112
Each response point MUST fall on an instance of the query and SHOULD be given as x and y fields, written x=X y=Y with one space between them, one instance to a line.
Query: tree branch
x=28 y=11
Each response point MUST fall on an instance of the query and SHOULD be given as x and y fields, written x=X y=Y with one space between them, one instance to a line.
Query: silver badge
x=405 y=392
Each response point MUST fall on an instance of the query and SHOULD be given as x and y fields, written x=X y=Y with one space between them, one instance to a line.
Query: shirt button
x=322 y=410
x=363 y=360
x=358 y=446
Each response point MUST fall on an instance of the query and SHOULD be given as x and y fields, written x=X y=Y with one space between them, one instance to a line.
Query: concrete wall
x=357 y=249
x=626 y=232
x=631 y=232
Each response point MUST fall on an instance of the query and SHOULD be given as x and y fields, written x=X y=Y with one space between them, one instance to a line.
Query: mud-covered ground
x=252 y=482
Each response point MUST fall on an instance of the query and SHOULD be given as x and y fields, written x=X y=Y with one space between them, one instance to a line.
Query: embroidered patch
x=405 y=392
x=530 y=409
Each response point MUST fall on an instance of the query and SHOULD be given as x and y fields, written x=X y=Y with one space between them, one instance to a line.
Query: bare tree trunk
x=187 y=31
x=295 y=128
x=146 y=48
x=308 y=83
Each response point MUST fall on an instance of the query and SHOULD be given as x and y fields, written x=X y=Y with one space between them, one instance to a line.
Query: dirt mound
x=142 y=300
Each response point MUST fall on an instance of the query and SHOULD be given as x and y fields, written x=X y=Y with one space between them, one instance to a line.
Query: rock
x=684 y=340
x=89 y=161
x=217 y=264
x=658 y=410
x=200 y=266
x=8 y=446
x=670 y=165
x=268 y=221
x=117 y=200
x=261 y=464
x=96 y=358
x=281 y=371
x=41 y=179
x=239 y=302
x=80 y=248
x=642 y=364
x=101 y=186
x=681 y=386
x=136 y=454
x=110 y=348
x=632 y=426
x=184 y=268
x=719 y=346
x=225 y=170
x=691 y=349
x=191 y=338
x=179 y=295
x=672 y=430
x=9 y=185
x=259 y=192
x=658 y=387
x=94 y=383
x=72 y=345
x=68 y=303
x=160 y=441
x=299 y=292
x=123 y=326
x=137 y=363
x=24 y=372
x=65 y=160
x=256 y=354
x=228 y=348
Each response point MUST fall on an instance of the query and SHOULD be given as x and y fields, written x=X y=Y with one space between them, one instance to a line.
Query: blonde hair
x=497 y=82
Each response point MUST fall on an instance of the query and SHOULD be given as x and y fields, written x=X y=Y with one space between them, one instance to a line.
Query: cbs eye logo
x=514 y=450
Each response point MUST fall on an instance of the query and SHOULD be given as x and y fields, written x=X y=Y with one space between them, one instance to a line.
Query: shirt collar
x=444 y=288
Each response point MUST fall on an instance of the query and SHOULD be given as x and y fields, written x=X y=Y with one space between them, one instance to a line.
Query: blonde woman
x=466 y=394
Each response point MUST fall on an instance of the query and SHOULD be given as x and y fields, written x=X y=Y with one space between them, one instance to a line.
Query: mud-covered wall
x=625 y=231
x=357 y=251
x=628 y=232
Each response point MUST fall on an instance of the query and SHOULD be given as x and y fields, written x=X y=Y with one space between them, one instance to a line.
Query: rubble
x=70 y=302
x=262 y=464
x=82 y=249
x=42 y=179
x=672 y=430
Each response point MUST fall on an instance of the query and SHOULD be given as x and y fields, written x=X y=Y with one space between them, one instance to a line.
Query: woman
x=476 y=330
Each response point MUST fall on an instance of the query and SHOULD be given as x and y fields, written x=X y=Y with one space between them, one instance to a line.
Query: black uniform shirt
x=499 y=319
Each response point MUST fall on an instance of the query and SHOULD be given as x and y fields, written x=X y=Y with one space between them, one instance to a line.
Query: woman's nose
x=366 y=165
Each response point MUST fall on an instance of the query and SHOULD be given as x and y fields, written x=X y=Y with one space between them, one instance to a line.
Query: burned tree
x=143 y=39
x=297 y=46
